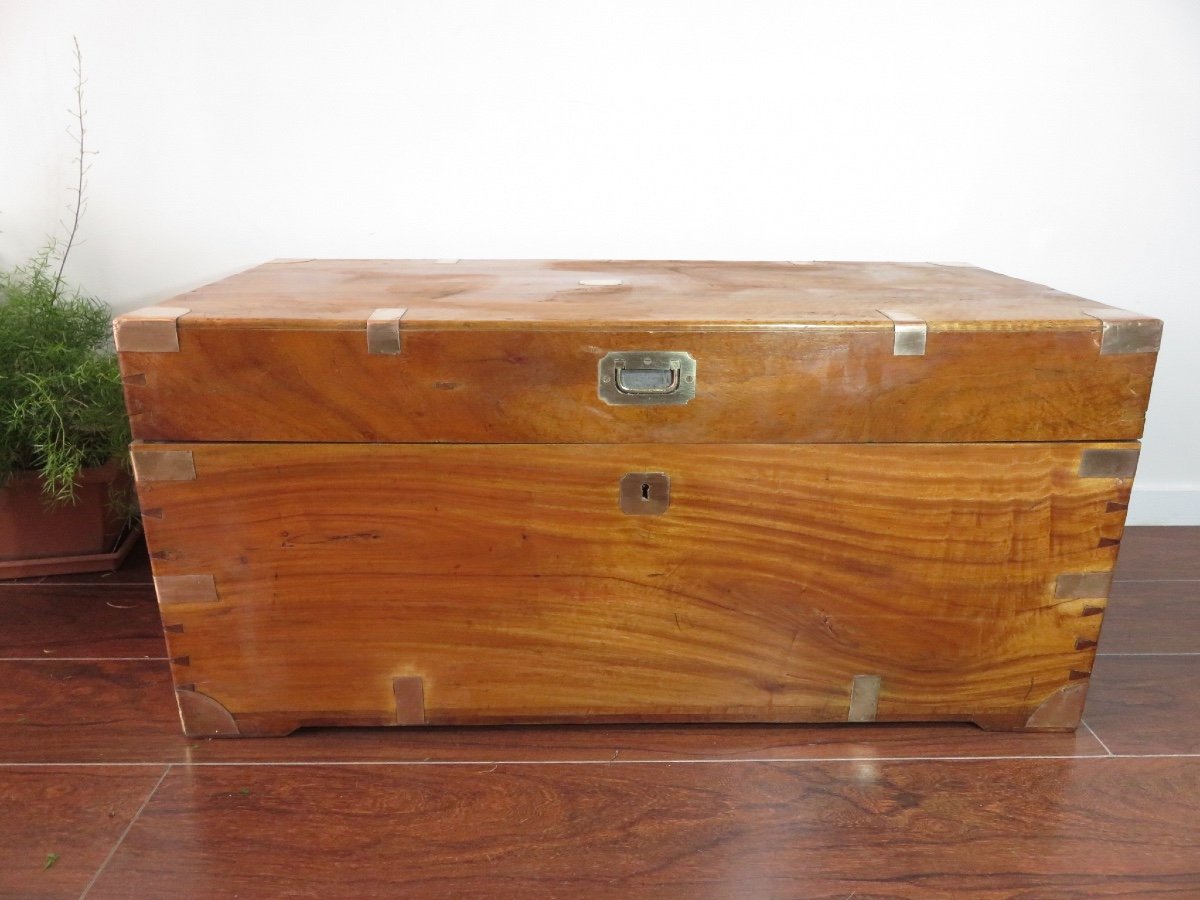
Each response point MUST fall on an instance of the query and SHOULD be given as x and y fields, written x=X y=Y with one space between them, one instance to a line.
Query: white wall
x=1055 y=141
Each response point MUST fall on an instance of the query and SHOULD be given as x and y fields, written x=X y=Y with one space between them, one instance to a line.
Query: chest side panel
x=341 y=584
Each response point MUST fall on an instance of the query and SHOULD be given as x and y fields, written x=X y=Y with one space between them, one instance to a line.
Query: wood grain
x=818 y=384
x=860 y=824
x=123 y=711
x=78 y=814
x=508 y=352
x=1162 y=552
x=79 y=620
x=331 y=294
x=867 y=829
x=94 y=711
x=1152 y=617
x=507 y=579
x=1147 y=704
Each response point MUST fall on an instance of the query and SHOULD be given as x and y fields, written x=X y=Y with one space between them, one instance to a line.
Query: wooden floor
x=96 y=779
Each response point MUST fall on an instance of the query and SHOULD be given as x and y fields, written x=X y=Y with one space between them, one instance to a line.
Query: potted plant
x=66 y=498
x=66 y=501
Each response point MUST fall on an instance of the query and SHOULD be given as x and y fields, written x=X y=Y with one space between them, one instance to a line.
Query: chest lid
x=612 y=352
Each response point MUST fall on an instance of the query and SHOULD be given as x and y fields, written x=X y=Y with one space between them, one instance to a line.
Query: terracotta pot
x=36 y=539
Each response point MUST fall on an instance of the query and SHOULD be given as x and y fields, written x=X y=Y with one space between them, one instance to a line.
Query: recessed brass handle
x=647 y=377
x=647 y=381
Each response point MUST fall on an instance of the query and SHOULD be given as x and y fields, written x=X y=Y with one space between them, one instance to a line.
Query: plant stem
x=78 y=206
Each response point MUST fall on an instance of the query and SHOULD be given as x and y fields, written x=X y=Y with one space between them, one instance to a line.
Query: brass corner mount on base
x=1062 y=710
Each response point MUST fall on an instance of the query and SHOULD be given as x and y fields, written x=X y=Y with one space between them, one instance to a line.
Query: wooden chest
x=403 y=493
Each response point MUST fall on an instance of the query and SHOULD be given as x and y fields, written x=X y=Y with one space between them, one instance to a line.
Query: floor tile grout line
x=90 y=765
x=121 y=838
x=1155 y=653
x=1156 y=756
x=666 y=762
x=350 y=763
x=219 y=764
x=84 y=658
x=1097 y=737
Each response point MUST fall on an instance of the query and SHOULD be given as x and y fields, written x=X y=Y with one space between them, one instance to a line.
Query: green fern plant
x=61 y=404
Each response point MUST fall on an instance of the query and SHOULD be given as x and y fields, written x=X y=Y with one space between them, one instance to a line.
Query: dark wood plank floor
x=101 y=796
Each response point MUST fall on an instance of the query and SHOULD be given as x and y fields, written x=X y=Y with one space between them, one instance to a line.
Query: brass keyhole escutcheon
x=645 y=493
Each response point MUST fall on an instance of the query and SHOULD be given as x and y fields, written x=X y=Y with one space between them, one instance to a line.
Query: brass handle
x=647 y=377
x=646 y=381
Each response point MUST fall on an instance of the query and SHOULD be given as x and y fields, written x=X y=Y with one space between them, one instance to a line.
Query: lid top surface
x=332 y=294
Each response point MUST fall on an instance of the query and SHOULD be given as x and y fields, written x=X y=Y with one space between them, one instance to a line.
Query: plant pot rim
x=73 y=565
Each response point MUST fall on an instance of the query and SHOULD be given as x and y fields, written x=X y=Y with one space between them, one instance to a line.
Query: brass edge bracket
x=910 y=332
x=864 y=698
x=202 y=716
x=163 y=465
x=185 y=589
x=1127 y=332
x=409 y=691
x=1062 y=710
x=1109 y=462
x=151 y=329
x=383 y=331
x=1082 y=585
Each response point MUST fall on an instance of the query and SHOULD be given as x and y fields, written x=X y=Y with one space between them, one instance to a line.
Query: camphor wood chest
x=403 y=493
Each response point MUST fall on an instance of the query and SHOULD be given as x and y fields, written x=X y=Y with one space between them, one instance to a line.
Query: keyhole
x=645 y=491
